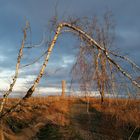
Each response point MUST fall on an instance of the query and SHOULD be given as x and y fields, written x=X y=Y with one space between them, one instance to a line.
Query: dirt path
x=49 y=122
x=80 y=121
x=92 y=125
x=95 y=125
x=87 y=123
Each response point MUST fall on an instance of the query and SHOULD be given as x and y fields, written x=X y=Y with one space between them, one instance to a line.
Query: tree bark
x=90 y=40
x=20 y=54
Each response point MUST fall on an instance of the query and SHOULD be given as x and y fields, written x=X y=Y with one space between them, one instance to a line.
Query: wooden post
x=63 y=88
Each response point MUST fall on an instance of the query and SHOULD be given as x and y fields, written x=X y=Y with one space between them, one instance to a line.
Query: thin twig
x=126 y=58
x=37 y=45
x=132 y=133
x=36 y=60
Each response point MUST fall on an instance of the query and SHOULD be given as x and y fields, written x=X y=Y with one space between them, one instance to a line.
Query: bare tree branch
x=20 y=54
x=36 y=60
x=90 y=40
x=126 y=58
x=42 y=42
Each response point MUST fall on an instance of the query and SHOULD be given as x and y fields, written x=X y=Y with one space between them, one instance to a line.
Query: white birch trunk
x=90 y=40
x=20 y=54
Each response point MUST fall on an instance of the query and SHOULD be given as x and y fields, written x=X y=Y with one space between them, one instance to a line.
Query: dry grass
x=36 y=112
x=39 y=107
x=126 y=111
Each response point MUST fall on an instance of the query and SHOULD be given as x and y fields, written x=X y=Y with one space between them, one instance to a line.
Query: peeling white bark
x=90 y=40
x=20 y=54
x=58 y=31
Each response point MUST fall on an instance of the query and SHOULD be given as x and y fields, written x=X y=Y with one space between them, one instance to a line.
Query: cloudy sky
x=38 y=12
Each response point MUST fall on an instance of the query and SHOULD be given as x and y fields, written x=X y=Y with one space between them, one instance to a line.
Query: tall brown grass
x=126 y=111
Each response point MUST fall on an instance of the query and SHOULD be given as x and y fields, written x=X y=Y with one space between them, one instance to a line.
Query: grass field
x=56 y=118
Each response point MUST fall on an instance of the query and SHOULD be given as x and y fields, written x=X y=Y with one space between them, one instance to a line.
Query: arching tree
x=100 y=64
x=92 y=64
x=92 y=43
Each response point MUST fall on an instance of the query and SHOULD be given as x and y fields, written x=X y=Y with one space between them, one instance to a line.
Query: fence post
x=63 y=88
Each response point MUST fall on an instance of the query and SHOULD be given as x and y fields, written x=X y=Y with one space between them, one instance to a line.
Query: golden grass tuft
x=124 y=110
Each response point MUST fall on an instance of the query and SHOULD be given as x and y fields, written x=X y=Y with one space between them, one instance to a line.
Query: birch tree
x=92 y=43
x=20 y=54
x=102 y=60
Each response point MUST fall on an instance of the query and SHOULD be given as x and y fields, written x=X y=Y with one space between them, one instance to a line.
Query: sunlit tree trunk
x=90 y=40
x=80 y=34
x=20 y=54
x=32 y=89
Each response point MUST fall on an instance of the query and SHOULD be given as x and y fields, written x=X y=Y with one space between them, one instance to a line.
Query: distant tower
x=63 y=88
